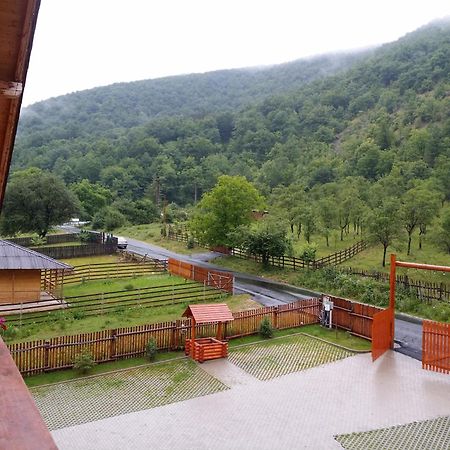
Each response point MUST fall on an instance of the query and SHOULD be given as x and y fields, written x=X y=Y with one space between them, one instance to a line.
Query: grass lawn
x=335 y=243
x=120 y=284
x=371 y=259
x=151 y=233
x=85 y=260
x=63 y=323
x=340 y=337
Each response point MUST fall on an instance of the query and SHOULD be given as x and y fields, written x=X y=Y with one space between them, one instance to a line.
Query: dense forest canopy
x=356 y=129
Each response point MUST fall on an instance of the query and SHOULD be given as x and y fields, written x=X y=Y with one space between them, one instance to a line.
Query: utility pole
x=157 y=191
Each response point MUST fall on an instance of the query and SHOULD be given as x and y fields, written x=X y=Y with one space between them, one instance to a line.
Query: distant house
x=26 y=275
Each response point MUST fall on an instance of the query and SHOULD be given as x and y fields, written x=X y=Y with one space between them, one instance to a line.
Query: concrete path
x=299 y=410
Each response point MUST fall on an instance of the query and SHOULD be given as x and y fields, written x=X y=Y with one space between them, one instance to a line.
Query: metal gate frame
x=382 y=334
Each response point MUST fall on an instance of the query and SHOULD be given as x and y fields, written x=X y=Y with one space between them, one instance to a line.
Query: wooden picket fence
x=423 y=290
x=436 y=346
x=109 y=345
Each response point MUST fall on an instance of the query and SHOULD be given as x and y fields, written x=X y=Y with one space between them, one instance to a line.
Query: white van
x=121 y=242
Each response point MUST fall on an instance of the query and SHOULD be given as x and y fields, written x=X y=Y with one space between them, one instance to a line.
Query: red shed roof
x=218 y=312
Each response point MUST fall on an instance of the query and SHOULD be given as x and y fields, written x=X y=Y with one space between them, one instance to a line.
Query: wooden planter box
x=206 y=348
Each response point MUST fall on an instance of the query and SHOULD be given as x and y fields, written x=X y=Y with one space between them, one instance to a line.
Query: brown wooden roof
x=218 y=312
x=17 y=25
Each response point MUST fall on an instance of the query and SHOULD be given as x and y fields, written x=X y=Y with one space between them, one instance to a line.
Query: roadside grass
x=371 y=259
x=151 y=233
x=337 y=337
x=331 y=281
x=65 y=322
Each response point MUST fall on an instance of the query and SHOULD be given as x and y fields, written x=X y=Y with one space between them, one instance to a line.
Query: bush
x=265 y=328
x=150 y=350
x=128 y=287
x=83 y=362
x=38 y=241
x=190 y=242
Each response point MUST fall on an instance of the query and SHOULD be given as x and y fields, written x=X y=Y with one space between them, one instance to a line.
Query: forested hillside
x=380 y=129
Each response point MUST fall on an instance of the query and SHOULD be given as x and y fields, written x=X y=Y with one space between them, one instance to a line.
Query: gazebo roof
x=13 y=256
x=217 y=312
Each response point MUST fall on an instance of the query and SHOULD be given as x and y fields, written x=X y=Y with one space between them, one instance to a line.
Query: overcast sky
x=80 y=44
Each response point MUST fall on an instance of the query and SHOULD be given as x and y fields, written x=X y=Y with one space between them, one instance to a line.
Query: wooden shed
x=203 y=349
x=26 y=275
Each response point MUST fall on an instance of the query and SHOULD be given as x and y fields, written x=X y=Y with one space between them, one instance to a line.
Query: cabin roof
x=217 y=312
x=13 y=256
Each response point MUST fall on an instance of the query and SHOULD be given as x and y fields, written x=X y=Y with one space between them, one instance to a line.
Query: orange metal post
x=392 y=282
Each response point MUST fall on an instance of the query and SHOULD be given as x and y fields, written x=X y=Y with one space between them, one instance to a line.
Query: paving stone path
x=80 y=401
x=286 y=355
x=428 y=434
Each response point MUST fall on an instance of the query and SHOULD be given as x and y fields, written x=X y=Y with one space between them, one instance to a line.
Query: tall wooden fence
x=77 y=251
x=436 y=346
x=51 y=239
x=423 y=290
x=214 y=278
x=354 y=317
x=127 y=342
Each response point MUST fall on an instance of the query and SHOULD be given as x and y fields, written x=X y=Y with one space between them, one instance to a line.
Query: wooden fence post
x=46 y=354
x=275 y=317
x=112 y=344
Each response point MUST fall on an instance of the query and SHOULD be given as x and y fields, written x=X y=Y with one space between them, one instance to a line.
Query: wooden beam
x=11 y=89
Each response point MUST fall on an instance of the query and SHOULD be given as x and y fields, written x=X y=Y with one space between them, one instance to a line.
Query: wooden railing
x=113 y=270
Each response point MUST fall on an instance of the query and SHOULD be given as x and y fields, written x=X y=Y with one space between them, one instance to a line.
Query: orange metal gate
x=436 y=346
x=382 y=332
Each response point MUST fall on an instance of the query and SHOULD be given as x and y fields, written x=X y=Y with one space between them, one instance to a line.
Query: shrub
x=308 y=252
x=79 y=315
x=265 y=328
x=38 y=241
x=83 y=362
x=150 y=350
x=128 y=287
x=190 y=242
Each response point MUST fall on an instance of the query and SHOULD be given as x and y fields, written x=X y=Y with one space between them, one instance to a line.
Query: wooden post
x=219 y=331
x=392 y=281
x=112 y=345
x=192 y=338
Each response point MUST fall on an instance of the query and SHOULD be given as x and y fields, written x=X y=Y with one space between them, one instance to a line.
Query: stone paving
x=304 y=409
x=428 y=434
x=286 y=355
x=112 y=394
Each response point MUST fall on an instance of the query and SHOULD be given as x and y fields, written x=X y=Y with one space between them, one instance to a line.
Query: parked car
x=121 y=242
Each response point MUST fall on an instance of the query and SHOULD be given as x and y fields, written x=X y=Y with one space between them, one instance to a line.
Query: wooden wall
x=20 y=285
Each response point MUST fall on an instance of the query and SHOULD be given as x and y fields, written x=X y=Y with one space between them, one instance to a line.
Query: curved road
x=408 y=331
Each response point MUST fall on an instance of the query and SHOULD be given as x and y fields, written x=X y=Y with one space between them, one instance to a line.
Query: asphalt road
x=408 y=334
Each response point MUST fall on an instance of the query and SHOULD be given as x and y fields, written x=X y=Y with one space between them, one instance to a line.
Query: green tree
x=442 y=233
x=108 y=219
x=227 y=206
x=383 y=224
x=419 y=207
x=35 y=201
x=92 y=196
x=266 y=241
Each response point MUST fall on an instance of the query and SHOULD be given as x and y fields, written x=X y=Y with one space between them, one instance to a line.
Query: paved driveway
x=306 y=409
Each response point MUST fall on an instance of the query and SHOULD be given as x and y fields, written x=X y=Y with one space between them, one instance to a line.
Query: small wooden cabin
x=203 y=349
x=26 y=275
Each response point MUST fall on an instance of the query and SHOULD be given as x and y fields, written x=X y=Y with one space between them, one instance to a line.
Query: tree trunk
x=328 y=244
x=409 y=244
x=420 y=241
x=342 y=234
x=384 y=255
x=292 y=228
